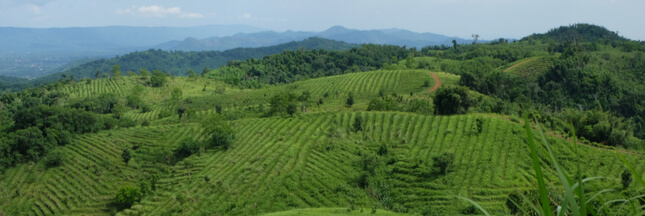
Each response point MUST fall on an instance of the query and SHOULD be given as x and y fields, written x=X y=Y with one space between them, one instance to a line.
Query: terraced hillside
x=333 y=91
x=279 y=164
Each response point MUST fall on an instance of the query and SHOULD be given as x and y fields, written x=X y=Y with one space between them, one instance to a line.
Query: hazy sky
x=488 y=18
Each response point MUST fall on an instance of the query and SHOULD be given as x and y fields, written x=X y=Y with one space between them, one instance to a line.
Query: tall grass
x=575 y=200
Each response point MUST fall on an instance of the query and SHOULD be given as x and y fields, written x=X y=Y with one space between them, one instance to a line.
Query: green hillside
x=375 y=130
x=310 y=161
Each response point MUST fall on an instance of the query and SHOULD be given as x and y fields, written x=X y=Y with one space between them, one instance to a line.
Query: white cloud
x=155 y=11
x=35 y=9
x=247 y=16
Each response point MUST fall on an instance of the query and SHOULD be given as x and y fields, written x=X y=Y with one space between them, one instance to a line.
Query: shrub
x=158 y=78
x=54 y=159
x=358 y=123
x=452 y=100
x=126 y=156
x=626 y=178
x=223 y=133
x=443 y=162
x=127 y=196
x=127 y=123
x=350 y=100
x=164 y=113
x=292 y=109
x=187 y=148
x=383 y=149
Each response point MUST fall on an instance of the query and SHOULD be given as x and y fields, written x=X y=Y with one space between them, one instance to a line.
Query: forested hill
x=577 y=33
x=179 y=62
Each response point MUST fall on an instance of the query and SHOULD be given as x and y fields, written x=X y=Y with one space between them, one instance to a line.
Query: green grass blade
x=610 y=202
x=598 y=194
x=631 y=169
x=581 y=192
x=586 y=180
x=531 y=204
x=569 y=196
x=474 y=204
x=520 y=207
x=544 y=198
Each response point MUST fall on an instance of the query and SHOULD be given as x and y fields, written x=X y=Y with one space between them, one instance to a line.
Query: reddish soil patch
x=437 y=83
x=518 y=64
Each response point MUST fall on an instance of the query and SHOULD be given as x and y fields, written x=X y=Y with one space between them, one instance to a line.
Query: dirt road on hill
x=437 y=83
x=518 y=64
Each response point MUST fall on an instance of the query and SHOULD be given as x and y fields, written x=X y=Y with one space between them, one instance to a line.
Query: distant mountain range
x=398 y=37
x=109 y=40
x=180 y=62
x=32 y=52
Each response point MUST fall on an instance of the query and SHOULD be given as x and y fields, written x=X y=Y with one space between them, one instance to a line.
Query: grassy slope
x=285 y=163
x=309 y=161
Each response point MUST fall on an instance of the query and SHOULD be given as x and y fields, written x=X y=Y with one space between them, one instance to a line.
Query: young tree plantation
x=551 y=124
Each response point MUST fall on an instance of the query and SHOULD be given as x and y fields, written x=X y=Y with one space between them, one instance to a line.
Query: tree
x=176 y=95
x=358 y=123
x=126 y=156
x=480 y=124
x=187 y=148
x=443 y=162
x=98 y=72
x=280 y=103
x=181 y=111
x=222 y=133
x=452 y=100
x=144 y=73
x=192 y=74
x=292 y=109
x=304 y=98
x=626 y=178
x=205 y=71
x=454 y=44
x=116 y=71
x=127 y=195
x=350 y=100
x=54 y=159
x=158 y=78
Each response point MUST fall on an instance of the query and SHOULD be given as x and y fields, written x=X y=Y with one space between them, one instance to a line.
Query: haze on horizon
x=490 y=19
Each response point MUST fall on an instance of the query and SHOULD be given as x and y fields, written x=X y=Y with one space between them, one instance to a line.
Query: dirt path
x=437 y=83
x=518 y=64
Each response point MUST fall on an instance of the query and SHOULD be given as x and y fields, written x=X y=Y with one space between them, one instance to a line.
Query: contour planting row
x=280 y=163
x=362 y=85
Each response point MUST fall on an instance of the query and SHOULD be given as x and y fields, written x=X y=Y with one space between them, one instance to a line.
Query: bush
x=358 y=123
x=350 y=100
x=54 y=159
x=223 y=133
x=158 y=78
x=452 y=100
x=145 y=123
x=443 y=162
x=127 y=123
x=187 y=148
x=126 y=155
x=164 y=113
x=127 y=196
x=626 y=178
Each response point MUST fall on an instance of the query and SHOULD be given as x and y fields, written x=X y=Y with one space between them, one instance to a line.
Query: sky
x=490 y=19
